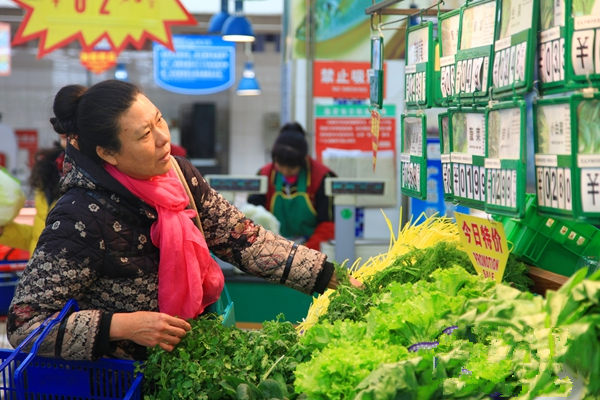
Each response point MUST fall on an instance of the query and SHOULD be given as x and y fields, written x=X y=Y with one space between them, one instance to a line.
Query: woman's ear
x=106 y=155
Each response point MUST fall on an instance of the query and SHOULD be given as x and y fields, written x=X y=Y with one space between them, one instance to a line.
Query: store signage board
x=444 y=125
x=341 y=79
x=567 y=156
x=583 y=43
x=418 y=73
x=57 y=23
x=413 y=156
x=474 y=57
x=514 y=48
x=467 y=138
x=448 y=45
x=199 y=65
x=484 y=241
x=551 y=45
x=505 y=163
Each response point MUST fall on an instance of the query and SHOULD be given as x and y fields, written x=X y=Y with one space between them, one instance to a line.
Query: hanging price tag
x=448 y=38
x=413 y=157
x=375 y=73
x=418 y=72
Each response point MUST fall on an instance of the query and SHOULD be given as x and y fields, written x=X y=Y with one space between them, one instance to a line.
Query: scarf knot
x=189 y=279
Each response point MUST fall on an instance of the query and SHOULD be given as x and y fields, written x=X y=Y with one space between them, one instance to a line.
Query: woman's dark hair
x=45 y=173
x=290 y=147
x=93 y=114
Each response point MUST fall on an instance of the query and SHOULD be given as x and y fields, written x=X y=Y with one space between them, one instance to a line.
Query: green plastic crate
x=554 y=244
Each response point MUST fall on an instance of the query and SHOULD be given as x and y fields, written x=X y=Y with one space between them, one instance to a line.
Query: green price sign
x=567 y=156
x=551 y=46
x=418 y=73
x=475 y=51
x=467 y=137
x=445 y=154
x=376 y=72
x=505 y=163
x=444 y=89
x=583 y=44
x=413 y=156
x=514 y=48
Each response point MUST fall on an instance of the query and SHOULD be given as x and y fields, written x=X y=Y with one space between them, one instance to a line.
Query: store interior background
x=239 y=130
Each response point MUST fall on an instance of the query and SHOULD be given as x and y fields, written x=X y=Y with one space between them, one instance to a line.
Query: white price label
x=447 y=177
x=582 y=52
x=590 y=189
x=554 y=187
x=411 y=176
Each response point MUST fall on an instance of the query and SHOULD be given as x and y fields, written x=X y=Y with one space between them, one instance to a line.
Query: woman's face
x=145 y=142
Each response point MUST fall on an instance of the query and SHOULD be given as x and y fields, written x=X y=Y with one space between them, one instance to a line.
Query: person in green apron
x=296 y=190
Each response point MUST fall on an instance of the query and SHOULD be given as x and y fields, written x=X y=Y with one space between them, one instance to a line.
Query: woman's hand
x=149 y=329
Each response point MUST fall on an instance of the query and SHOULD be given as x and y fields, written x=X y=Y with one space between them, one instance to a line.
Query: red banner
x=341 y=79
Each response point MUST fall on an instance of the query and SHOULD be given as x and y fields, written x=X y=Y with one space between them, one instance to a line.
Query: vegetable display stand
x=555 y=244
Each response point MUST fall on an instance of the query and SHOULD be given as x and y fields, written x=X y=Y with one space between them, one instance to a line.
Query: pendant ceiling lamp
x=248 y=85
x=237 y=28
x=215 y=25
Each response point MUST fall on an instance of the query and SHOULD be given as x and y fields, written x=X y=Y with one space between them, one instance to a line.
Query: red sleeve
x=323 y=232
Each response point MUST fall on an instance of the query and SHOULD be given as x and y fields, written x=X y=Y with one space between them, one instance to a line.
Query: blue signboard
x=199 y=64
x=434 y=204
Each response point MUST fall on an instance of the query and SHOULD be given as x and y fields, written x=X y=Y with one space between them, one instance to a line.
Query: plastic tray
x=554 y=244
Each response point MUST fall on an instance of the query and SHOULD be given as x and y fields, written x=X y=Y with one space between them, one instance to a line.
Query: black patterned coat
x=96 y=248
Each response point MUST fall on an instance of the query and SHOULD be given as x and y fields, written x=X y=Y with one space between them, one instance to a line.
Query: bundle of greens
x=217 y=362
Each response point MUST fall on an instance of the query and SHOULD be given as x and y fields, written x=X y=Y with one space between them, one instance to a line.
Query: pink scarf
x=189 y=279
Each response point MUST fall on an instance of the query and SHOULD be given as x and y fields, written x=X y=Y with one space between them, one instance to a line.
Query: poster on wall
x=444 y=89
x=514 y=48
x=475 y=51
x=341 y=79
x=348 y=127
x=467 y=137
x=505 y=163
x=418 y=72
x=343 y=142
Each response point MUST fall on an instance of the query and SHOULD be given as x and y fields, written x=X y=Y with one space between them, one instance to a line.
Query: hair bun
x=62 y=127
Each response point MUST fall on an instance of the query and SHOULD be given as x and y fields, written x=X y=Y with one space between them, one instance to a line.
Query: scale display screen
x=357 y=187
x=235 y=184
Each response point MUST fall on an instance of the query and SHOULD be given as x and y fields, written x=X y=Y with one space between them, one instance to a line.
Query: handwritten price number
x=509 y=65
x=447 y=80
x=554 y=187
x=470 y=75
x=415 y=87
x=552 y=61
x=81 y=5
x=482 y=236
x=502 y=187
x=469 y=181
x=447 y=177
x=411 y=176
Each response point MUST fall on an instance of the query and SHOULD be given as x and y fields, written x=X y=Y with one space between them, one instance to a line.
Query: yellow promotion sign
x=121 y=22
x=485 y=243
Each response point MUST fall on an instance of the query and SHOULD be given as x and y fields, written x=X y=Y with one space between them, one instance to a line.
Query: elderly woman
x=122 y=239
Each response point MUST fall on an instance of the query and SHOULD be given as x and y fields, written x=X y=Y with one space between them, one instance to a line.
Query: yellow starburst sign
x=121 y=22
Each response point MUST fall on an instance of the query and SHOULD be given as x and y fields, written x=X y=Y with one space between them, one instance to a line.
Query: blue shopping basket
x=28 y=376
